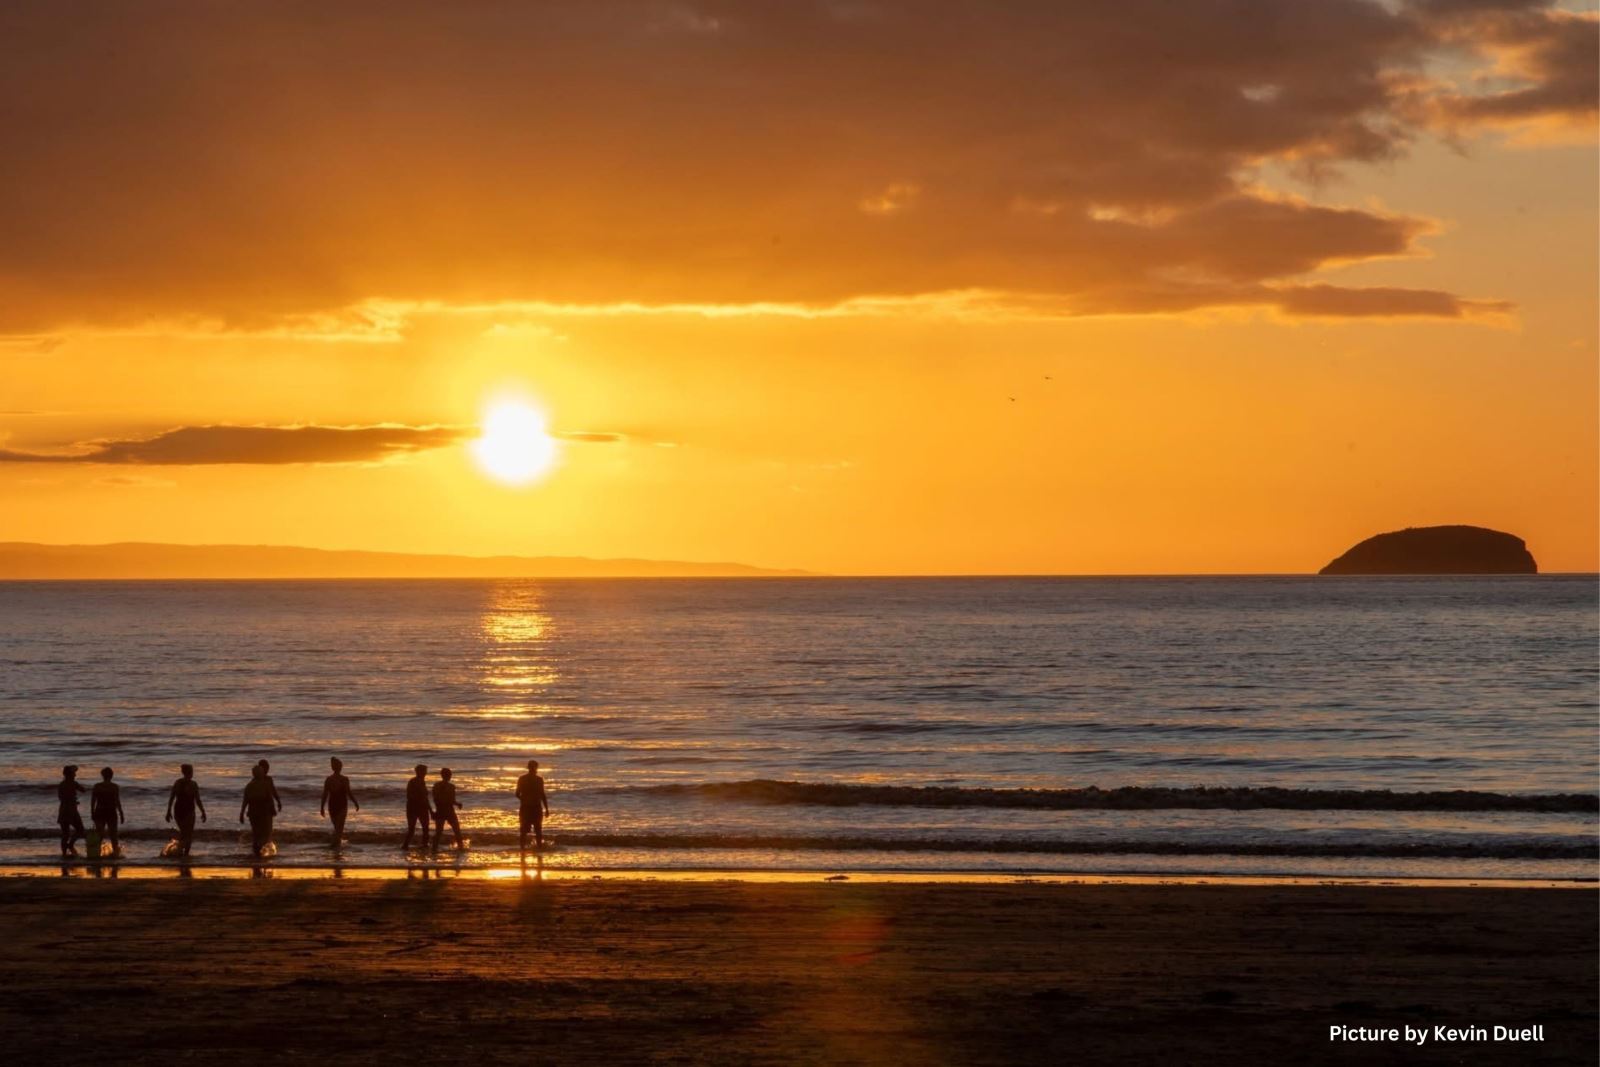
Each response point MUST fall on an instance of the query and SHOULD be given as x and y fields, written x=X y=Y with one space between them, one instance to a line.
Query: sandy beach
x=618 y=971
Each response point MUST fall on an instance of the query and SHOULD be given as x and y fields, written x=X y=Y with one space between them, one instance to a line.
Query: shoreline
x=109 y=870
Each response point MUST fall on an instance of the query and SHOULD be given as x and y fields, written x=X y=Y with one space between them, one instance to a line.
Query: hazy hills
x=144 y=560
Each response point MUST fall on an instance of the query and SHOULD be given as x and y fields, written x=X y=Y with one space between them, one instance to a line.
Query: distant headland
x=22 y=560
x=1437 y=550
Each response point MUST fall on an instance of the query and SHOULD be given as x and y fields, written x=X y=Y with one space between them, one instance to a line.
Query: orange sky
x=860 y=288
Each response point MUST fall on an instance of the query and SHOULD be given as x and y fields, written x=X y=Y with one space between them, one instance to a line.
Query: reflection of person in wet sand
x=260 y=804
x=444 y=808
x=67 y=816
x=337 y=796
x=182 y=801
x=105 y=808
x=417 y=806
x=533 y=805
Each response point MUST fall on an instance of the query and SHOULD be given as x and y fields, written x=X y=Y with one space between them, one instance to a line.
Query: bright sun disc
x=514 y=446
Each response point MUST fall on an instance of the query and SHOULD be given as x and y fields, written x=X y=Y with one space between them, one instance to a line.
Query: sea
x=1278 y=726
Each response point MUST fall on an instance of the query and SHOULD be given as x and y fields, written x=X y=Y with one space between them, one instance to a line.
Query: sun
x=514 y=446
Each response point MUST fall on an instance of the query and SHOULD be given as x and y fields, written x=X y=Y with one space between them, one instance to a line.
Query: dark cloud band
x=312 y=156
x=203 y=445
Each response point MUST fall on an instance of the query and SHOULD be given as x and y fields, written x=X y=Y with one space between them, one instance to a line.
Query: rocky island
x=1437 y=550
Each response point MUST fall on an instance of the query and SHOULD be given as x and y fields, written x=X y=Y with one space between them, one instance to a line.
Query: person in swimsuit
x=260 y=803
x=533 y=805
x=67 y=816
x=183 y=800
x=417 y=806
x=444 y=808
x=337 y=796
x=105 y=808
x=266 y=772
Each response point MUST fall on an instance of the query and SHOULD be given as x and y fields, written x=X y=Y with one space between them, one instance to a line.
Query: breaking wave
x=1124 y=798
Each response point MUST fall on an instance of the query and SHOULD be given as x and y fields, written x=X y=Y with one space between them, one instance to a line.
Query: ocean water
x=1221 y=725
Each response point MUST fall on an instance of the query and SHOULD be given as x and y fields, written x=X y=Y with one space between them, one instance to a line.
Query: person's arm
x=244 y=803
x=198 y=804
x=276 y=799
x=351 y=793
x=172 y=794
x=121 y=818
x=322 y=807
x=544 y=798
x=80 y=787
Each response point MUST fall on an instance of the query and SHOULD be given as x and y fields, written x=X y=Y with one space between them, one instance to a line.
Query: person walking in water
x=417 y=810
x=183 y=800
x=533 y=805
x=260 y=803
x=444 y=809
x=266 y=772
x=337 y=796
x=105 y=809
x=67 y=815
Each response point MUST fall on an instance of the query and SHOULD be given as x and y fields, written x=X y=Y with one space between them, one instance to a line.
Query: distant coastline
x=145 y=560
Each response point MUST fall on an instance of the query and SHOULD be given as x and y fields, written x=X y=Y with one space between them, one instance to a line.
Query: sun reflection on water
x=518 y=664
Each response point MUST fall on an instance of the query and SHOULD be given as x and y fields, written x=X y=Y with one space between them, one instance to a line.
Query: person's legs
x=538 y=831
x=260 y=832
x=337 y=816
x=185 y=834
x=66 y=838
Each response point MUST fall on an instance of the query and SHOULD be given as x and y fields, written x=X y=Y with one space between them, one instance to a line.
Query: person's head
x=533 y=766
x=105 y=773
x=188 y=770
x=258 y=771
x=70 y=771
x=264 y=765
x=444 y=772
x=337 y=764
x=421 y=769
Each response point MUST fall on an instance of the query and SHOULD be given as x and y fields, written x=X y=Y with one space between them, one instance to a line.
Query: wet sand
x=613 y=971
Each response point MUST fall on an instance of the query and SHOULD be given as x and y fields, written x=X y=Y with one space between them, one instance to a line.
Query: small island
x=1437 y=550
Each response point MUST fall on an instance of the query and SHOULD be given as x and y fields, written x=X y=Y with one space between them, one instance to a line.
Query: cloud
x=204 y=445
x=279 y=167
x=589 y=437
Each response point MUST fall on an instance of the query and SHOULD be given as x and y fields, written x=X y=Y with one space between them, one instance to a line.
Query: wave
x=1123 y=798
x=1486 y=849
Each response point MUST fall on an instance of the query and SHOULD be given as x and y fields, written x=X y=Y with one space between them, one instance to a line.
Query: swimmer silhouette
x=533 y=805
x=105 y=808
x=444 y=809
x=183 y=800
x=337 y=796
x=260 y=804
x=417 y=806
x=67 y=816
x=266 y=772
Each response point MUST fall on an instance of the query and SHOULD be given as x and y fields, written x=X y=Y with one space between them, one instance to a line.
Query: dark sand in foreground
x=607 y=972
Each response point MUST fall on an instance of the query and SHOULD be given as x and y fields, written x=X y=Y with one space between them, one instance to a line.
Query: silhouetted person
x=533 y=805
x=266 y=772
x=182 y=801
x=417 y=806
x=67 y=816
x=337 y=796
x=105 y=808
x=444 y=808
x=260 y=803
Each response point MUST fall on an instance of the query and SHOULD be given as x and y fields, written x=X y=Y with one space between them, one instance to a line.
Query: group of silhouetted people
x=261 y=805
